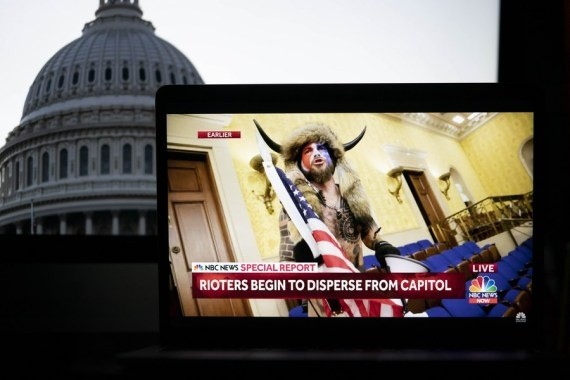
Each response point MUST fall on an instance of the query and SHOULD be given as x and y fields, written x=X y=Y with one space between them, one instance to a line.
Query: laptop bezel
x=341 y=333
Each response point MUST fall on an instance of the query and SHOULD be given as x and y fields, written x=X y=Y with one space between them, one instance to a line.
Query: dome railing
x=79 y=186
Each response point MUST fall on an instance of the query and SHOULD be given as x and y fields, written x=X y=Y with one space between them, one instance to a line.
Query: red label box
x=484 y=268
x=219 y=134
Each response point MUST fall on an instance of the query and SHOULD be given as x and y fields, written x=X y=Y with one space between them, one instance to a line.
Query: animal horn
x=349 y=145
x=270 y=143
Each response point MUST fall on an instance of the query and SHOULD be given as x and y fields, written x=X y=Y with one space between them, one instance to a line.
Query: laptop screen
x=359 y=216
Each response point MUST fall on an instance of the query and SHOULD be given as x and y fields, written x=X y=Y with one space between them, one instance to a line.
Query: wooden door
x=429 y=206
x=197 y=234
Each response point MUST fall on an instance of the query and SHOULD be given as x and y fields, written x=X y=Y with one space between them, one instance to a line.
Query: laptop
x=449 y=172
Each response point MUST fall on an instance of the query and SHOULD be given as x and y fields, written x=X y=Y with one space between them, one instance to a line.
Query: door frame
x=182 y=137
x=206 y=196
x=433 y=199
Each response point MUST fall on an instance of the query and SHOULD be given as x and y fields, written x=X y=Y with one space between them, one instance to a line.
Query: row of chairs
x=418 y=250
x=513 y=280
x=416 y=246
x=460 y=258
x=509 y=305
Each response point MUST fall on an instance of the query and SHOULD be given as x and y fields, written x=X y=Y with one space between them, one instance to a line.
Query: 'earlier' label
x=219 y=134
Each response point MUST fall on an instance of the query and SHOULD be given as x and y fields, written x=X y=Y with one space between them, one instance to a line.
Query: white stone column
x=39 y=227
x=115 y=224
x=142 y=222
x=63 y=224
x=88 y=223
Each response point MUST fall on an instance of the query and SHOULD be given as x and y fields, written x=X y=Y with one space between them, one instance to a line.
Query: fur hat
x=349 y=182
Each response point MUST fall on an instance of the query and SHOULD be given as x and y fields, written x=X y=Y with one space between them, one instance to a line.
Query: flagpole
x=286 y=201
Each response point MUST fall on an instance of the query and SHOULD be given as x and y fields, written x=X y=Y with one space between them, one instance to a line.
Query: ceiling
x=452 y=124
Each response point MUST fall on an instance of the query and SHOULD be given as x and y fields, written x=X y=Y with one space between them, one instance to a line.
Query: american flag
x=333 y=256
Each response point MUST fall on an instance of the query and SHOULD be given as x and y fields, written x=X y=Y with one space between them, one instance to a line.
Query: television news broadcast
x=355 y=215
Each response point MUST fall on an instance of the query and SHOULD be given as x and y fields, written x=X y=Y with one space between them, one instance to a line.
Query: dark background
x=69 y=307
x=535 y=48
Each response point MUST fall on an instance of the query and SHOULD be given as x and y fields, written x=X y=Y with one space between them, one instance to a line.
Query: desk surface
x=102 y=356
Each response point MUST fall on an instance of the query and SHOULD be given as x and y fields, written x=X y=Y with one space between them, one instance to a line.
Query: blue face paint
x=325 y=153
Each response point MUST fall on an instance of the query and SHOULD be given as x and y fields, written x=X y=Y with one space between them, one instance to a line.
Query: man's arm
x=381 y=248
x=286 y=245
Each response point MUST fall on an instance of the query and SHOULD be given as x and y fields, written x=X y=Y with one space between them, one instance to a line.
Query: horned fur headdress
x=349 y=182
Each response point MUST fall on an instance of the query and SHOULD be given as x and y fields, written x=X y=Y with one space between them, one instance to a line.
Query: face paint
x=315 y=154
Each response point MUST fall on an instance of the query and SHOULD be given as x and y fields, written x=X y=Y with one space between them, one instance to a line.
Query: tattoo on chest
x=347 y=226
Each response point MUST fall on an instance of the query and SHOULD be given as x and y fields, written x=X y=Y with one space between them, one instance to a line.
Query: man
x=313 y=158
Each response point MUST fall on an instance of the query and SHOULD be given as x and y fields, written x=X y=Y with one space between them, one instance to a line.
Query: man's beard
x=320 y=175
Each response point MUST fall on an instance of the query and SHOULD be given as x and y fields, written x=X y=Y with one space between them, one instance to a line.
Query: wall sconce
x=444 y=184
x=268 y=196
x=396 y=175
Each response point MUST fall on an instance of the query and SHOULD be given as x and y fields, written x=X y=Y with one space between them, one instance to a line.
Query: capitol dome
x=82 y=159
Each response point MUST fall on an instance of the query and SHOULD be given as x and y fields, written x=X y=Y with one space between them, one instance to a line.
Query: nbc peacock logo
x=483 y=290
x=197 y=267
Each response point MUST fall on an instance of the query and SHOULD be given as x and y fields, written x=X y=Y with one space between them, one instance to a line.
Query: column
x=115 y=223
x=63 y=224
x=39 y=226
x=142 y=222
x=88 y=223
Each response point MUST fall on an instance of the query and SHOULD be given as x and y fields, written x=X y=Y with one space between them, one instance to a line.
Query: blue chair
x=425 y=243
x=522 y=259
x=298 y=312
x=524 y=281
x=514 y=263
x=507 y=271
x=438 y=263
x=528 y=243
x=454 y=256
x=523 y=251
x=411 y=248
x=502 y=310
x=472 y=246
x=370 y=261
x=462 y=308
x=511 y=296
x=519 y=299
x=501 y=282
x=437 y=312
x=463 y=251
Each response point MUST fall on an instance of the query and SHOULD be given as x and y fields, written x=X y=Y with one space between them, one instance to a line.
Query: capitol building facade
x=82 y=159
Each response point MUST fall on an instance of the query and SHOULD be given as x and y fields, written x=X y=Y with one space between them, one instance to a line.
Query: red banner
x=328 y=285
x=219 y=134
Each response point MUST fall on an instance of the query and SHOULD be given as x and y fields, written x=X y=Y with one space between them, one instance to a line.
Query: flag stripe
x=328 y=243
x=322 y=236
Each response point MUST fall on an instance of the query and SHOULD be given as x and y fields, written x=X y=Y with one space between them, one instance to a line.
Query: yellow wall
x=485 y=160
x=494 y=151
